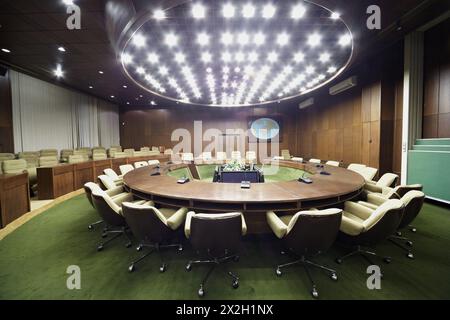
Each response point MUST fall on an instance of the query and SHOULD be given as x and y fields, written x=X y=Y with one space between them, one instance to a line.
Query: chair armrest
x=128 y=197
x=244 y=225
x=376 y=199
x=114 y=191
x=276 y=224
x=350 y=226
x=368 y=205
x=187 y=225
x=373 y=187
x=357 y=209
x=177 y=218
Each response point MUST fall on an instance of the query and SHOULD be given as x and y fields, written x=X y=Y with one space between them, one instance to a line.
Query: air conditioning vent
x=344 y=85
x=306 y=103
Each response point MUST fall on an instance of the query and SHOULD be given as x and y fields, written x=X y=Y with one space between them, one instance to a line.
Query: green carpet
x=34 y=259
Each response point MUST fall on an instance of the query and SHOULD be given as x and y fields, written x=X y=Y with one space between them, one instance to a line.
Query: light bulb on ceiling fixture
x=227 y=38
x=298 y=11
x=126 y=58
x=152 y=57
x=159 y=14
x=299 y=57
x=206 y=57
x=335 y=15
x=139 y=40
x=203 y=39
x=282 y=39
x=61 y=49
x=268 y=11
x=345 y=40
x=314 y=39
x=228 y=10
x=58 y=72
x=180 y=57
x=198 y=11
x=163 y=70
x=243 y=38
x=171 y=40
x=248 y=11
x=332 y=69
x=259 y=38
x=324 y=57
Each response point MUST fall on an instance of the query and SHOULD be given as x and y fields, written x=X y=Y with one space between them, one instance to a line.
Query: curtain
x=48 y=116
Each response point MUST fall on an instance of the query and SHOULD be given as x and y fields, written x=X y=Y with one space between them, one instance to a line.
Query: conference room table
x=284 y=196
x=56 y=181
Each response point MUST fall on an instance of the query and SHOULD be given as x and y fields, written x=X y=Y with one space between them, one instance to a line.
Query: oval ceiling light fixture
x=220 y=53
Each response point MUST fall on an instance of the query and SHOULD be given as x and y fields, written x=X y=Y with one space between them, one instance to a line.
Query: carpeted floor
x=34 y=259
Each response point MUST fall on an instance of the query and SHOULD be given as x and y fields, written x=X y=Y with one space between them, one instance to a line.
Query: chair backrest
x=77 y=158
x=413 y=202
x=31 y=158
x=368 y=173
x=111 y=173
x=89 y=187
x=48 y=161
x=85 y=150
x=387 y=180
x=235 y=155
x=168 y=152
x=187 y=156
x=140 y=164
x=155 y=148
x=107 y=181
x=145 y=149
x=107 y=208
x=48 y=152
x=80 y=152
x=146 y=223
x=318 y=161
x=98 y=149
x=28 y=154
x=129 y=152
x=250 y=155
x=125 y=168
x=153 y=162
x=65 y=153
x=383 y=222
x=117 y=148
x=7 y=156
x=14 y=166
x=216 y=233
x=221 y=156
x=310 y=232
x=400 y=191
x=332 y=163
x=119 y=155
x=356 y=167
x=99 y=156
x=286 y=154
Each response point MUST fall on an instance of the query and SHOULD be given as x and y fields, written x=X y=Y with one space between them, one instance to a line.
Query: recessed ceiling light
x=332 y=69
x=314 y=39
x=140 y=70
x=128 y=102
x=203 y=39
x=112 y=97
x=345 y=40
x=101 y=72
x=153 y=103
x=259 y=38
x=159 y=14
x=335 y=15
x=228 y=10
x=126 y=58
x=91 y=87
x=248 y=11
x=6 y=50
x=282 y=39
x=243 y=38
x=58 y=72
x=268 y=11
x=171 y=40
x=324 y=57
x=61 y=49
x=152 y=57
x=206 y=57
x=198 y=11
x=163 y=70
x=298 y=11
x=139 y=40
x=124 y=86
x=141 y=96
x=272 y=57
x=180 y=57
x=299 y=57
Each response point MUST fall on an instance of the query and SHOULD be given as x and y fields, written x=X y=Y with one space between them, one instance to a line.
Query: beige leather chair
x=99 y=156
x=80 y=152
x=48 y=161
x=28 y=154
x=77 y=158
x=365 y=227
x=218 y=236
x=65 y=153
x=168 y=152
x=250 y=156
x=413 y=202
x=48 y=152
x=333 y=163
x=32 y=160
x=108 y=182
x=112 y=152
x=120 y=155
x=387 y=180
x=368 y=173
x=306 y=234
x=7 y=156
x=110 y=210
x=140 y=164
x=125 y=168
x=297 y=159
x=236 y=155
x=356 y=167
x=155 y=148
x=145 y=149
x=129 y=152
x=187 y=156
x=85 y=150
x=118 y=148
x=155 y=228
x=221 y=156
x=153 y=162
x=98 y=149
x=286 y=154
x=14 y=166
x=318 y=161
x=113 y=175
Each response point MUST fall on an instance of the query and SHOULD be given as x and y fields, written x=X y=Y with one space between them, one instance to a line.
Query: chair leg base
x=409 y=254
x=363 y=253
x=153 y=248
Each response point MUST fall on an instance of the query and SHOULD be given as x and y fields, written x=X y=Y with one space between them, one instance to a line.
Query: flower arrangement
x=234 y=165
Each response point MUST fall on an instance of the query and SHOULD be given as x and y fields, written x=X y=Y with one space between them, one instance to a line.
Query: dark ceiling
x=34 y=29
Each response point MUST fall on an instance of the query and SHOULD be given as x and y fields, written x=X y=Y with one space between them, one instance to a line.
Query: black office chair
x=154 y=228
x=218 y=236
x=307 y=234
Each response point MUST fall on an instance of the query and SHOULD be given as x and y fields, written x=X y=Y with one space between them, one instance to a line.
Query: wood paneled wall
x=154 y=126
x=6 y=125
x=436 y=105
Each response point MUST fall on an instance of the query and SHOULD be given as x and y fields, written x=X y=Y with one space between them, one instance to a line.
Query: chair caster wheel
x=399 y=233
x=139 y=248
x=131 y=268
x=283 y=252
x=409 y=243
x=315 y=293
x=334 y=276
x=387 y=260
x=100 y=248
x=278 y=272
x=163 y=268
x=128 y=245
x=188 y=267
x=338 y=261
x=104 y=235
x=201 y=292
x=180 y=248
x=413 y=230
x=410 y=255
x=236 y=258
x=235 y=284
x=90 y=227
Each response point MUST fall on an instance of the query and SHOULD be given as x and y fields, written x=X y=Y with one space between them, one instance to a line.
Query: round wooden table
x=284 y=196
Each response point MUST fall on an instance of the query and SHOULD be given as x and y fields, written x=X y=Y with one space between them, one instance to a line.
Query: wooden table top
x=341 y=182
